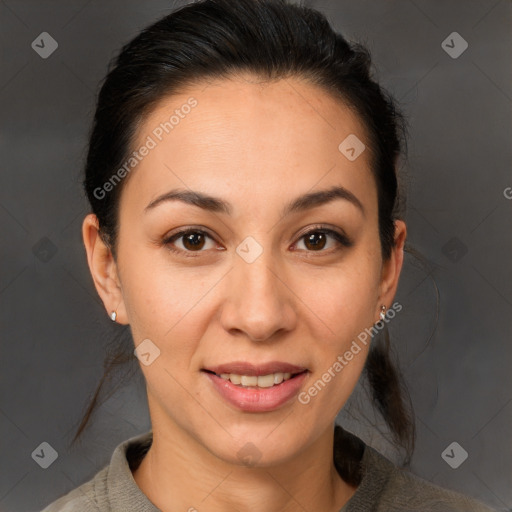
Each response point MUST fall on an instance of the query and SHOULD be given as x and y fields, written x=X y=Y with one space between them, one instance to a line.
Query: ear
x=103 y=269
x=392 y=267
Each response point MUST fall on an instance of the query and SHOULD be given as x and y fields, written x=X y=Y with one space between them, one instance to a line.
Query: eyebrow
x=218 y=205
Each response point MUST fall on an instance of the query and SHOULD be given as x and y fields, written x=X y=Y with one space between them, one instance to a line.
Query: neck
x=178 y=473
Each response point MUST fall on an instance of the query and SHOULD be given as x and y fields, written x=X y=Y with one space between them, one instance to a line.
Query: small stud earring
x=383 y=312
x=113 y=316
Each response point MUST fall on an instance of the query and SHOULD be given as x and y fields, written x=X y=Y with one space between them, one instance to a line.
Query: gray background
x=54 y=327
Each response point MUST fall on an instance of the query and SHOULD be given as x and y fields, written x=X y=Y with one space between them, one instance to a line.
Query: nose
x=259 y=302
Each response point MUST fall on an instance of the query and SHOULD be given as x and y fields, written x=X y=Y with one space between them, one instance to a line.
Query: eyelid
x=325 y=228
x=169 y=239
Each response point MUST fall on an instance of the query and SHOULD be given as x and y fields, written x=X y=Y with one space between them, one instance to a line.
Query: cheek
x=159 y=299
x=342 y=298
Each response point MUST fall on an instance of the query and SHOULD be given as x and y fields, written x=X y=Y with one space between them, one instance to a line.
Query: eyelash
x=339 y=237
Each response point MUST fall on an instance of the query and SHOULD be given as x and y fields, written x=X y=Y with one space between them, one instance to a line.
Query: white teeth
x=249 y=380
x=261 y=381
x=265 y=381
x=278 y=378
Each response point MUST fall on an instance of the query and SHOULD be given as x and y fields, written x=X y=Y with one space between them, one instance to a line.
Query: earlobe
x=103 y=268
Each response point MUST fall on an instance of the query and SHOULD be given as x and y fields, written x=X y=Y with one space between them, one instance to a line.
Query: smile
x=257 y=393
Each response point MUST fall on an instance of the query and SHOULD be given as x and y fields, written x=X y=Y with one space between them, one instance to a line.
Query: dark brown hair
x=271 y=39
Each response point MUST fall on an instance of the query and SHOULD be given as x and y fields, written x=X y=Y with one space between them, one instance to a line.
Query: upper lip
x=244 y=368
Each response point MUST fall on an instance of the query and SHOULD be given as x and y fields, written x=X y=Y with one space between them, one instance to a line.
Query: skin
x=257 y=146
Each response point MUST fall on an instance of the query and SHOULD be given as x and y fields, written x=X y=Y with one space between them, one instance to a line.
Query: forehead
x=259 y=136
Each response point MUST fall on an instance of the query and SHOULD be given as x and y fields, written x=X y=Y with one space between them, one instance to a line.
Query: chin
x=261 y=446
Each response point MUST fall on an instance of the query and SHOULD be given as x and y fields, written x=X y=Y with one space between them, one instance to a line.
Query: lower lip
x=257 y=399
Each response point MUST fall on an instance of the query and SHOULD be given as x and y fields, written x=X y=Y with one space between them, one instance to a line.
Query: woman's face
x=255 y=281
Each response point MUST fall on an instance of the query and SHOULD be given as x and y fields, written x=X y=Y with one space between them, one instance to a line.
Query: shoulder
x=405 y=491
x=385 y=487
x=88 y=497
x=113 y=487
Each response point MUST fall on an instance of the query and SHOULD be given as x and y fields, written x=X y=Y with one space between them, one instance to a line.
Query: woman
x=242 y=178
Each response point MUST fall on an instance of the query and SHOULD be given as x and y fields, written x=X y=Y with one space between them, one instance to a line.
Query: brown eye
x=317 y=239
x=192 y=240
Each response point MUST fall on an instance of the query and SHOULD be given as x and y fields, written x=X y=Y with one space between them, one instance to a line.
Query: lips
x=257 y=399
x=256 y=388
